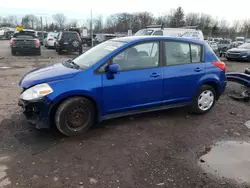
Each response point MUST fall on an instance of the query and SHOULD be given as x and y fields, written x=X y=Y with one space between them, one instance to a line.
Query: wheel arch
x=61 y=99
x=214 y=85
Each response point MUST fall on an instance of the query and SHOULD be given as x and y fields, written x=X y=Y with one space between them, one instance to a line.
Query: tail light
x=37 y=43
x=12 y=42
x=50 y=39
x=220 y=65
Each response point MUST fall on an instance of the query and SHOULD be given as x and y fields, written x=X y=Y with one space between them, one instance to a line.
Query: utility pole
x=42 y=27
x=91 y=27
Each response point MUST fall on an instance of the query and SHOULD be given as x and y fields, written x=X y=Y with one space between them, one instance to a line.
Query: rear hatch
x=24 y=40
x=68 y=38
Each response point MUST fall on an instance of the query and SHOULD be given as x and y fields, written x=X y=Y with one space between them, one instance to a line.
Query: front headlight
x=36 y=92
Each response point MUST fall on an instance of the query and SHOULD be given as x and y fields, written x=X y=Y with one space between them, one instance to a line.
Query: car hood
x=239 y=50
x=47 y=74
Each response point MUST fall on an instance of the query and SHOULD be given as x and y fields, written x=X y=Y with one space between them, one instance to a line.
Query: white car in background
x=213 y=45
x=49 y=42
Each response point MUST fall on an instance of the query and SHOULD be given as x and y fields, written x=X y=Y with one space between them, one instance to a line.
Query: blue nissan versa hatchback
x=123 y=76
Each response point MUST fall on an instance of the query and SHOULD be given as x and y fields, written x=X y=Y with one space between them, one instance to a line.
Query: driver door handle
x=154 y=75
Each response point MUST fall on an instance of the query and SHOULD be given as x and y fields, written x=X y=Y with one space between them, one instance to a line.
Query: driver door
x=138 y=82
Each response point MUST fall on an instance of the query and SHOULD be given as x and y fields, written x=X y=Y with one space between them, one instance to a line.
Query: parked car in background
x=239 y=41
x=6 y=32
x=120 y=77
x=69 y=41
x=241 y=53
x=41 y=36
x=25 y=42
x=103 y=37
x=214 y=46
x=49 y=41
x=158 y=30
x=223 y=46
x=217 y=40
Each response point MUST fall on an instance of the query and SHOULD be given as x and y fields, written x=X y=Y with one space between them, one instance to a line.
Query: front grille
x=233 y=55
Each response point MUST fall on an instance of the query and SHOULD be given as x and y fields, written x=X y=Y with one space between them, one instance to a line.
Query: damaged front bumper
x=36 y=112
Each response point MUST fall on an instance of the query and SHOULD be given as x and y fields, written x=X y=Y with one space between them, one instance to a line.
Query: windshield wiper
x=73 y=64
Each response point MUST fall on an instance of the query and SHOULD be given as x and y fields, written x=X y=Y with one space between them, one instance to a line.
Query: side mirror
x=55 y=37
x=113 y=68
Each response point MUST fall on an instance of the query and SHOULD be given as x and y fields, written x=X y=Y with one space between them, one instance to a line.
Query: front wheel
x=75 y=116
x=80 y=51
x=204 y=99
x=59 y=52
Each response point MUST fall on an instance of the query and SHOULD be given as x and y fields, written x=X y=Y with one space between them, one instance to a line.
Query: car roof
x=69 y=32
x=148 y=38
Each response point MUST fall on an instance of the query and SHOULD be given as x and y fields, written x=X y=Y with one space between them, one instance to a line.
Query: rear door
x=184 y=67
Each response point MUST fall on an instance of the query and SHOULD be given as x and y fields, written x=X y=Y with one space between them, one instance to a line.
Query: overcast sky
x=78 y=8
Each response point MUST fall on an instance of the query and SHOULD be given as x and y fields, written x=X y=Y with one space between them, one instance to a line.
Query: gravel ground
x=159 y=149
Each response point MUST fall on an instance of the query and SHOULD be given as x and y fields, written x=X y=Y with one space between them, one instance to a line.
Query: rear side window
x=178 y=53
x=158 y=33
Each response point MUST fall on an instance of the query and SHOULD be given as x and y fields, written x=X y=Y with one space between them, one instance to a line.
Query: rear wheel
x=204 y=99
x=75 y=116
x=39 y=52
x=13 y=52
x=59 y=52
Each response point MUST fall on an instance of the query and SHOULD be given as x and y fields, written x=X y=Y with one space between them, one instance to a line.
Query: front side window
x=158 y=33
x=140 y=56
x=143 y=32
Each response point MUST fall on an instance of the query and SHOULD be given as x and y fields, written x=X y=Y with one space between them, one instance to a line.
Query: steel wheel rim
x=206 y=100
x=77 y=118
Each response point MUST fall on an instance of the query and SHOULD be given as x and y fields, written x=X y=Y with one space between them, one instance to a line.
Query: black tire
x=229 y=59
x=13 y=52
x=39 y=52
x=59 y=52
x=67 y=113
x=195 y=107
x=80 y=51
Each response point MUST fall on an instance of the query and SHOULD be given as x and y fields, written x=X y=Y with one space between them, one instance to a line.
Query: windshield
x=24 y=35
x=144 y=32
x=245 y=46
x=240 y=39
x=96 y=53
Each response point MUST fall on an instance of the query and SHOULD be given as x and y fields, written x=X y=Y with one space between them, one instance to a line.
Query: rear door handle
x=154 y=75
x=198 y=69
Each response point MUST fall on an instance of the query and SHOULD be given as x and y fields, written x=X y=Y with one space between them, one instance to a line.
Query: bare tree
x=98 y=24
x=73 y=23
x=60 y=19
x=192 y=19
x=223 y=25
x=177 y=19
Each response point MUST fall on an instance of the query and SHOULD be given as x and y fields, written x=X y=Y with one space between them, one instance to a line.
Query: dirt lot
x=158 y=149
